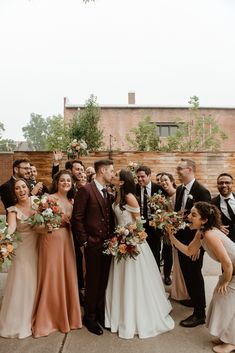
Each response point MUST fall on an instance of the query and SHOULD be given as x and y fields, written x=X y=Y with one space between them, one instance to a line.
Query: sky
x=163 y=50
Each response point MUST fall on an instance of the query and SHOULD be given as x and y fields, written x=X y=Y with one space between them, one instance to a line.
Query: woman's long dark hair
x=209 y=212
x=15 y=181
x=127 y=187
x=170 y=176
x=55 y=182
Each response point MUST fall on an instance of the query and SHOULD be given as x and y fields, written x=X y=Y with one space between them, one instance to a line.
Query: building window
x=166 y=129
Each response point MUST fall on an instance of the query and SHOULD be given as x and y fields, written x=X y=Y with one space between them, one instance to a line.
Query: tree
x=144 y=137
x=35 y=132
x=47 y=134
x=1 y=129
x=201 y=133
x=6 y=145
x=57 y=133
x=86 y=125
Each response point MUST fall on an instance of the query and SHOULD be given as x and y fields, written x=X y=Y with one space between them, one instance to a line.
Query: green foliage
x=144 y=137
x=36 y=132
x=7 y=145
x=46 y=134
x=1 y=129
x=58 y=133
x=200 y=133
x=85 y=125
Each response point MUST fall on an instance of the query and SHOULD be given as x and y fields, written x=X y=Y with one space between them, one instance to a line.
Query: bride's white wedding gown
x=136 y=301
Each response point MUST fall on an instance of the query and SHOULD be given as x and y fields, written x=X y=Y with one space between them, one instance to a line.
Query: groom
x=92 y=223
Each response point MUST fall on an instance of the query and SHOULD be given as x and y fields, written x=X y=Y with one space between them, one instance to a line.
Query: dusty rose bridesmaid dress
x=57 y=306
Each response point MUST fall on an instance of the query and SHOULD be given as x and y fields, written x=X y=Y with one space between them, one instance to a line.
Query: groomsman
x=225 y=202
x=21 y=169
x=187 y=194
x=144 y=188
x=92 y=223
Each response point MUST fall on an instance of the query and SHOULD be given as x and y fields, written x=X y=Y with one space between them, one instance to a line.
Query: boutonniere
x=190 y=197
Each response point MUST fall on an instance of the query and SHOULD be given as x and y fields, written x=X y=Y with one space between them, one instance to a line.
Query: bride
x=136 y=301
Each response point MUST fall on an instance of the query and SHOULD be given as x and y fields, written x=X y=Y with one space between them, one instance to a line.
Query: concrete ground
x=179 y=340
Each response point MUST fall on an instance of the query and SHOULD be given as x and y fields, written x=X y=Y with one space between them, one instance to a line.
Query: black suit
x=225 y=220
x=154 y=235
x=192 y=269
x=7 y=193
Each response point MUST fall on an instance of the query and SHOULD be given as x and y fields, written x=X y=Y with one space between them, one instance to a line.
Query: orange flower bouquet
x=125 y=241
x=47 y=212
x=8 y=243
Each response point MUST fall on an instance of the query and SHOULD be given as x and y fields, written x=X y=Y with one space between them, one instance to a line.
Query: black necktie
x=145 y=204
x=104 y=190
x=181 y=195
x=230 y=211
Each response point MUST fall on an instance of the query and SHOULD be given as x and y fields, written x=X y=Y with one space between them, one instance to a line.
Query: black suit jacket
x=7 y=193
x=225 y=220
x=155 y=188
x=199 y=193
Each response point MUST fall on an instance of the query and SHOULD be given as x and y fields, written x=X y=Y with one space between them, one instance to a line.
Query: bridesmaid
x=57 y=306
x=178 y=288
x=221 y=313
x=20 y=290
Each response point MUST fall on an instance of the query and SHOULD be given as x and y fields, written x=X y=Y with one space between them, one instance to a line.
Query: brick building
x=117 y=120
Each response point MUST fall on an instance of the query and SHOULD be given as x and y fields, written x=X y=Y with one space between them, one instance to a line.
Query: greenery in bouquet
x=169 y=222
x=159 y=202
x=8 y=243
x=77 y=148
x=125 y=241
x=47 y=212
x=164 y=217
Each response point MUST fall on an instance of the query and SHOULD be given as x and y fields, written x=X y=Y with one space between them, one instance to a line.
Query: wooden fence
x=209 y=165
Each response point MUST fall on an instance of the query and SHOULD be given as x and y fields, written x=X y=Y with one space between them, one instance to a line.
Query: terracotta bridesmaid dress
x=57 y=306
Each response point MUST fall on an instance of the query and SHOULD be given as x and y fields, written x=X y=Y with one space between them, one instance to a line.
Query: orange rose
x=55 y=209
x=142 y=235
x=10 y=248
x=122 y=248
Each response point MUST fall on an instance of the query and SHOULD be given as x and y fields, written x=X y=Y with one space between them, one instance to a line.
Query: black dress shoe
x=167 y=281
x=93 y=326
x=81 y=298
x=187 y=302
x=192 y=321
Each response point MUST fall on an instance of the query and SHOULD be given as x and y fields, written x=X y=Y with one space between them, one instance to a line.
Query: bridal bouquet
x=164 y=217
x=8 y=243
x=47 y=212
x=77 y=148
x=125 y=241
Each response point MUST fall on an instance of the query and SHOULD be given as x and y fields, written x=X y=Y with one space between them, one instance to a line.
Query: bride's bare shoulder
x=131 y=200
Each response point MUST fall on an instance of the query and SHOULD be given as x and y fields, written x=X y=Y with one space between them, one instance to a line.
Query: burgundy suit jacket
x=92 y=221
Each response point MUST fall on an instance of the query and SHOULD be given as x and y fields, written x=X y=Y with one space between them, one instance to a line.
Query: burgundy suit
x=92 y=222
